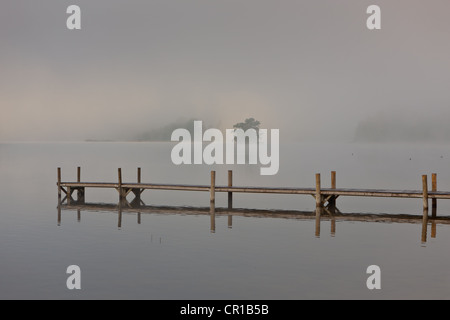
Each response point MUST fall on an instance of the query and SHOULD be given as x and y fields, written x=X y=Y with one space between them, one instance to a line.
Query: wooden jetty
x=323 y=196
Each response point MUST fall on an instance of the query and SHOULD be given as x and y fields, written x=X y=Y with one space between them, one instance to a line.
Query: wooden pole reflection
x=119 y=223
x=424 y=225
x=319 y=212
x=59 y=212
x=230 y=221
x=434 y=201
x=212 y=214
x=433 y=229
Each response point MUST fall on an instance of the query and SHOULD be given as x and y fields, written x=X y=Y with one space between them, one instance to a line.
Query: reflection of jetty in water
x=319 y=215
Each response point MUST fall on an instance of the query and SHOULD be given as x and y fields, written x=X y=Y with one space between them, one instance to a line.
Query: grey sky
x=310 y=68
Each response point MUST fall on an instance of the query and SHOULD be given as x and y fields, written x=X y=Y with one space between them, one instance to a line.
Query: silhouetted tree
x=249 y=123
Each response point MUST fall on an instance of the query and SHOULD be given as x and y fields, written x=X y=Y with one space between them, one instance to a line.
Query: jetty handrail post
x=425 y=193
x=434 y=200
x=79 y=174
x=318 y=192
x=230 y=194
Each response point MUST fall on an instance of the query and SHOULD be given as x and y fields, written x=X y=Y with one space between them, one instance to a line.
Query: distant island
x=407 y=128
x=164 y=133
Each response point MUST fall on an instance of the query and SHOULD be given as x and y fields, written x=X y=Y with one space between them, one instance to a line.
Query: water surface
x=178 y=256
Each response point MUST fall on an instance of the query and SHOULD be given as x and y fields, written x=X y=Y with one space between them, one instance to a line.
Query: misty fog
x=309 y=68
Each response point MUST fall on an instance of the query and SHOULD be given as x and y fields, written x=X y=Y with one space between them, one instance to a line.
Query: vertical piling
x=139 y=175
x=138 y=191
x=434 y=201
x=212 y=211
x=213 y=189
x=332 y=201
x=230 y=194
x=59 y=184
x=318 y=193
x=425 y=192
x=80 y=191
x=119 y=171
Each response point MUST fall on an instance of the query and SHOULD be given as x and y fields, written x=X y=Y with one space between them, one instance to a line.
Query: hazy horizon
x=311 y=69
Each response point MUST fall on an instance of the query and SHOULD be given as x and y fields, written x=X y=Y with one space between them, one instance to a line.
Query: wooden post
x=79 y=191
x=332 y=201
x=425 y=192
x=120 y=185
x=434 y=201
x=318 y=194
x=139 y=175
x=230 y=194
x=69 y=196
x=213 y=188
x=137 y=192
x=59 y=184
x=212 y=211
x=333 y=179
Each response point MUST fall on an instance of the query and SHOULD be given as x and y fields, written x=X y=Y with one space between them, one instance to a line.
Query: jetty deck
x=323 y=196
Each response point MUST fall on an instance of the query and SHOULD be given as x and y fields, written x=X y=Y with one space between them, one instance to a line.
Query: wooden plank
x=275 y=190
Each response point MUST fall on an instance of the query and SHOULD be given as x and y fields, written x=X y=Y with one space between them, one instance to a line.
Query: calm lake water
x=178 y=256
